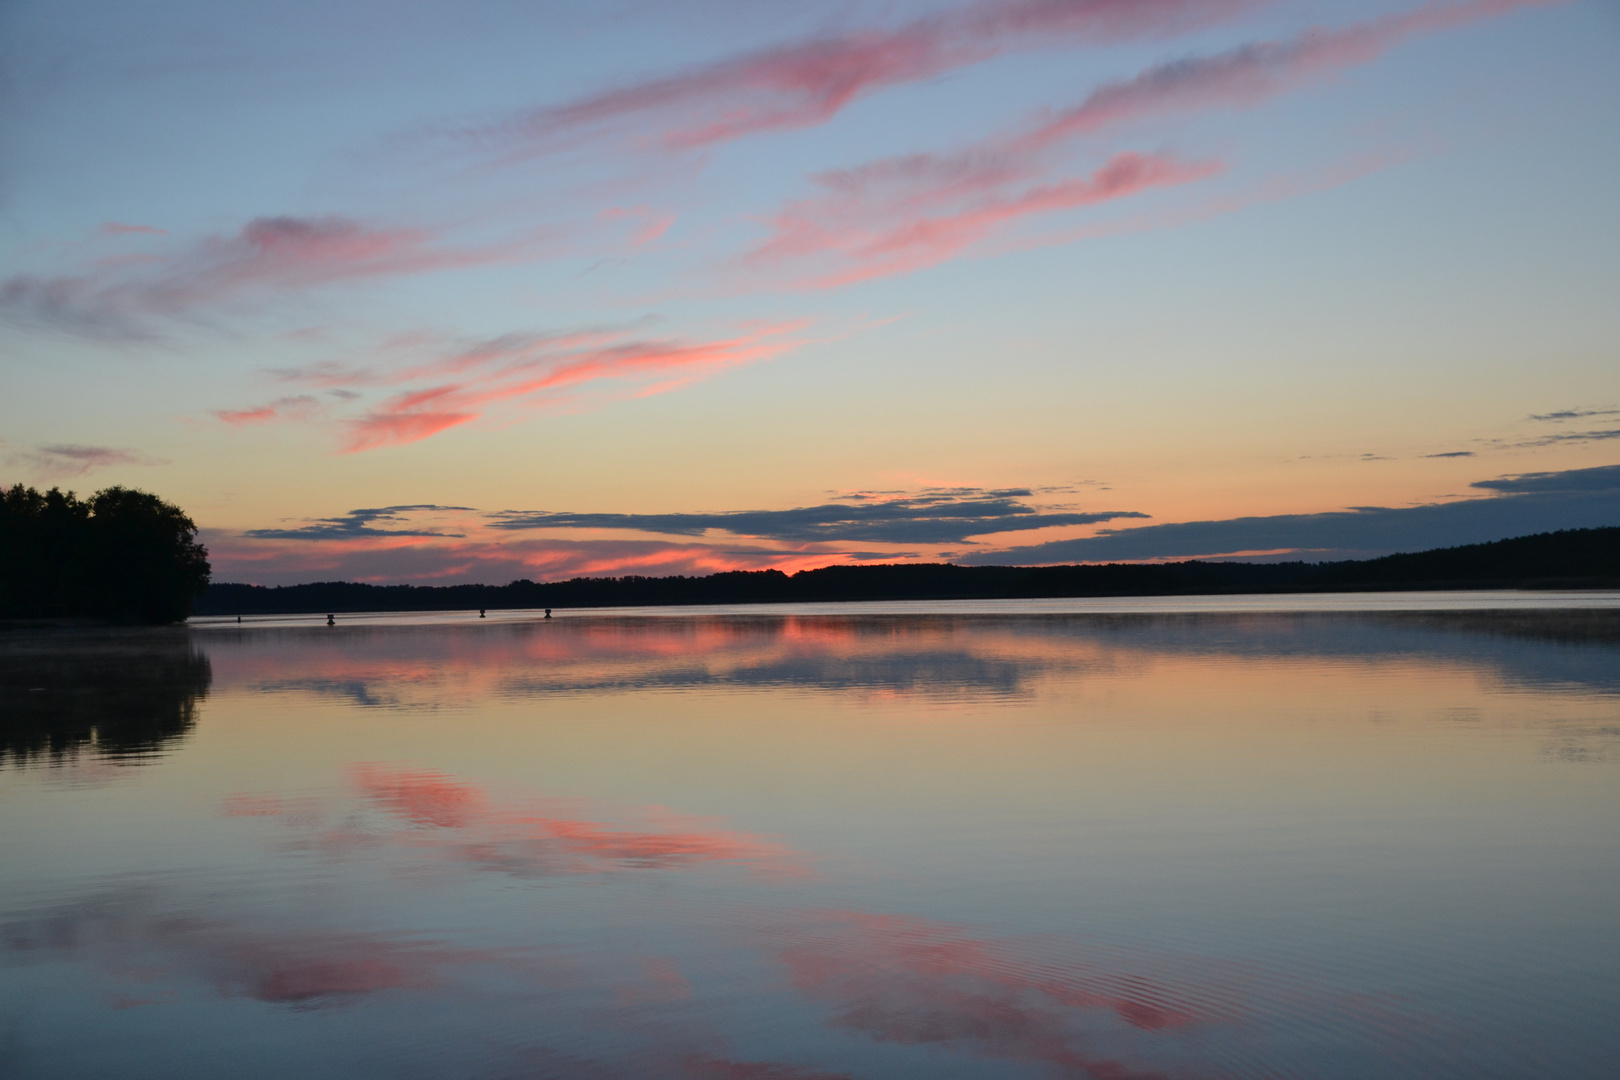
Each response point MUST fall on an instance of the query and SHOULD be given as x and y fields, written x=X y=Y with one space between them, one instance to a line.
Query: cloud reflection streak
x=429 y=814
x=917 y=982
x=136 y=939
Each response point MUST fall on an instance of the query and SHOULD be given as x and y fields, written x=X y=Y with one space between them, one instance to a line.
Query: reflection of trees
x=1551 y=648
x=938 y=673
x=937 y=657
x=125 y=693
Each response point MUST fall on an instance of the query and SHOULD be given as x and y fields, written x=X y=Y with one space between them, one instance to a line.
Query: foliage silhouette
x=122 y=554
x=1575 y=558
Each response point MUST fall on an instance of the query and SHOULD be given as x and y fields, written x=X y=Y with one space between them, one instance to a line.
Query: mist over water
x=765 y=845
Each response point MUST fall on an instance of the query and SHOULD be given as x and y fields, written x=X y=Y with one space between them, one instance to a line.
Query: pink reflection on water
x=520 y=840
x=915 y=982
x=449 y=820
x=661 y=982
x=297 y=973
x=135 y=941
x=422 y=798
x=705 y=1068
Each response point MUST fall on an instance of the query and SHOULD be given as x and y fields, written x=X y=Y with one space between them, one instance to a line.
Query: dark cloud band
x=935 y=517
x=357 y=524
x=1534 y=502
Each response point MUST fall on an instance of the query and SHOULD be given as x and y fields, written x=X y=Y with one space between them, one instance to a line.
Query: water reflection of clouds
x=902 y=995
x=932 y=986
x=150 y=947
x=422 y=815
x=916 y=982
x=927 y=985
x=375 y=693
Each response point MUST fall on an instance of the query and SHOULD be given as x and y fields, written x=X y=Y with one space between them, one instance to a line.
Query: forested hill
x=1577 y=558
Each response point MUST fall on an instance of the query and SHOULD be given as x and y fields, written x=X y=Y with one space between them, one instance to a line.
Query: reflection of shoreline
x=128 y=693
x=125 y=694
x=928 y=658
x=1488 y=602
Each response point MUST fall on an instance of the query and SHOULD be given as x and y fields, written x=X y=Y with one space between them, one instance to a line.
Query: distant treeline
x=121 y=554
x=1577 y=558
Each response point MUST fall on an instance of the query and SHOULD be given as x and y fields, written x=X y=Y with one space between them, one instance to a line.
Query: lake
x=1220 y=837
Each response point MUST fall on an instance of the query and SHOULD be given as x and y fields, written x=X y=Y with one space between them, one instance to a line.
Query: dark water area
x=783 y=846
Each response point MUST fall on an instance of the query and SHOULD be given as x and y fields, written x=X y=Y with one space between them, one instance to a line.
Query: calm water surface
x=905 y=841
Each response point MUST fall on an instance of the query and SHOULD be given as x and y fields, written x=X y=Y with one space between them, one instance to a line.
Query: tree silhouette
x=121 y=554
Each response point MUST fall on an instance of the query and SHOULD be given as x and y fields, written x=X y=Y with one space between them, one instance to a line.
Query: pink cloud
x=268 y=254
x=1247 y=76
x=118 y=228
x=537 y=372
x=902 y=213
x=297 y=407
x=1270 y=190
x=808 y=82
x=653 y=223
x=875 y=238
x=248 y=416
x=400 y=422
x=300 y=253
x=514 y=371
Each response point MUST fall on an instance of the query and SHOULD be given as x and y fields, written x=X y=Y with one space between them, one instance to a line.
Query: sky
x=439 y=292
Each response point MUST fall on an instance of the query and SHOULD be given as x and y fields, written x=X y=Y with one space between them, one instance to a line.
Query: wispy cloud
x=941 y=517
x=533 y=373
x=1254 y=73
x=1602 y=435
x=118 y=228
x=650 y=224
x=903 y=213
x=268 y=254
x=805 y=83
x=521 y=371
x=66 y=460
x=1573 y=414
x=292 y=407
x=869 y=233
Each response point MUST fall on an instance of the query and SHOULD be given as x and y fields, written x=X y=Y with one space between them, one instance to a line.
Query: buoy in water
x=331 y=621
x=480 y=613
x=548 y=613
